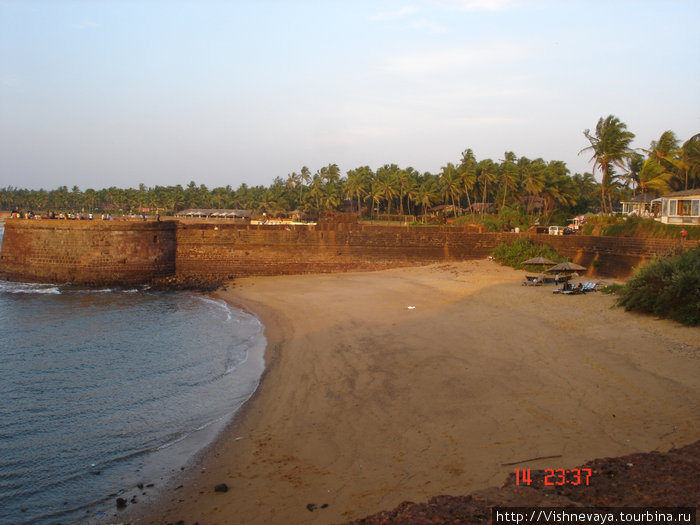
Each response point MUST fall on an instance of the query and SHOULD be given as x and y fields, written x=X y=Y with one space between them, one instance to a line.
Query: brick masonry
x=123 y=252
x=92 y=253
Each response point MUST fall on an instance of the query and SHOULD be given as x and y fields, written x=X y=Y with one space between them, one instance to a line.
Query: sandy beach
x=397 y=385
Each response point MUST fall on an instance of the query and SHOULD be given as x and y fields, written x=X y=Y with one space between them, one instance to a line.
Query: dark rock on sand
x=121 y=503
x=185 y=283
x=221 y=487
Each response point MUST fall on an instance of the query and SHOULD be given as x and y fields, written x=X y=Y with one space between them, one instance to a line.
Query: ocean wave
x=181 y=436
x=88 y=290
x=28 y=288
x=218 y=303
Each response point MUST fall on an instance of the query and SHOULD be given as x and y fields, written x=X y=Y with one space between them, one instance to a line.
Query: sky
x=118 y=93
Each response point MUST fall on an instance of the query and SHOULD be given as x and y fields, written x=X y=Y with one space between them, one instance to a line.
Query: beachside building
x=681 y=207
x=640 y=205
x=217 y=213
x=481 y=207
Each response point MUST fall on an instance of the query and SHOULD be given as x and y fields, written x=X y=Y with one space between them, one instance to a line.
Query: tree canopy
x=537 y=187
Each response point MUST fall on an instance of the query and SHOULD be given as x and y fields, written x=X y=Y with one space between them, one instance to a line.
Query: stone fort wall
x=123 y=252
x=92 y=253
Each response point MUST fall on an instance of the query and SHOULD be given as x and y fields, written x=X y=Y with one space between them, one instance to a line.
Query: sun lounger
x=533 y=280
x=567 y=289
x=586 y=287
x=590 y=286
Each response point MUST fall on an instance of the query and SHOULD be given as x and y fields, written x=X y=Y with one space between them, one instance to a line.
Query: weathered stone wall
x=94 y=253
x=103 y=253
x=222 y=251
x=610 y=256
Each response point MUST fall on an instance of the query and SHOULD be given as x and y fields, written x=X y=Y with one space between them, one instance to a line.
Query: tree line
x=534 y=186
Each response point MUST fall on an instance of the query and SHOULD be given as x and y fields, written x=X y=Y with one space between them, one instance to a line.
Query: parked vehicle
x=556 y=230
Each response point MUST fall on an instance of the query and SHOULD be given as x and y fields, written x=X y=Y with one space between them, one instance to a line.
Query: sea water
x=102 y=390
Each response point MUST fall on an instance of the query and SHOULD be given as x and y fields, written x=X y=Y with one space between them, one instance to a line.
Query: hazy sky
x=117 y=93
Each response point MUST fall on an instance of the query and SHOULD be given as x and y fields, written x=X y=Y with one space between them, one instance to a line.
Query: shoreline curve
x=365 y=403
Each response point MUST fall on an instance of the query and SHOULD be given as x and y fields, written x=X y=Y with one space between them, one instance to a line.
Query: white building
x=681 y=207
x=640 y=205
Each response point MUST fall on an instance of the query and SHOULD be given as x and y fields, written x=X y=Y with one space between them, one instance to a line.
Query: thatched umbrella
x=566 y=267
x=540 y=261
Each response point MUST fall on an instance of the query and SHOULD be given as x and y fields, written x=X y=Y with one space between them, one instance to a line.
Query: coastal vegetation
x=503 y=193
x=667 y=287
x=514 y=254
x=639 y=227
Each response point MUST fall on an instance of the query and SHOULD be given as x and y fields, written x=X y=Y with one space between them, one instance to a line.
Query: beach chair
x=567 y=289
x=577 y=290
x=590 y=287
x=531 y=280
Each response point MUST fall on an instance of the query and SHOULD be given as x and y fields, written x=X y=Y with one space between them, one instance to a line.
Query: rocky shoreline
x=185 y=283
x=651 y=479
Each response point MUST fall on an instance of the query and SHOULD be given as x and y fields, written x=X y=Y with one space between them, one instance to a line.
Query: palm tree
x=586 y=188
x=358 y=183
x=689 y=165
x=559 y=188
x=467 y=173
x=426 y=194
x=635 y=163
x=451 y=185
x=653 y=178
x=665 y=149
x=610 y=146
x=387 y=184
x=316 y=190
x=402 y=181
x=487 y=173
x=509 y=174
x=411 y=189
x=532 y=179
x=681 y=163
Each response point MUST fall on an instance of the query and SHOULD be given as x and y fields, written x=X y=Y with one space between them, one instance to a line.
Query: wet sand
x=366 y=402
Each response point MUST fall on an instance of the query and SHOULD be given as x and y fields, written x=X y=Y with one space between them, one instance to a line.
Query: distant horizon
x=119 y=94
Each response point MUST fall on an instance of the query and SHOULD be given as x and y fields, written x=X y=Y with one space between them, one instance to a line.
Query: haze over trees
x=467 y=185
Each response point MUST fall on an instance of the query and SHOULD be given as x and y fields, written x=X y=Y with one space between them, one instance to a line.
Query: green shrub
x=666 y=287
x=611 y=289
x=520 y=250
x=492 y=225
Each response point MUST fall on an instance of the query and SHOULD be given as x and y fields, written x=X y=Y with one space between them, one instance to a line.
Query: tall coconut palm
x=689 y=165
x=427 y=194
x=653 y=178
x=402 y=181
x=559 y=188
x=532 y=179
x=467 y=173
x=386 y=184
x=508 y=172
x=451 y=185
x=635 y=163
x=316 y=191
x=358 y=183
x=665 y=149
x=610 y=146
x=487 y=173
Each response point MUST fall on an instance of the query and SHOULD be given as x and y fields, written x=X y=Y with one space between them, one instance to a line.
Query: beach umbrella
x=566 y=267
x=543 y=261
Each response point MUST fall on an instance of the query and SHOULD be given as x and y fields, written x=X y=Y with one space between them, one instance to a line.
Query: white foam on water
x=28 y=288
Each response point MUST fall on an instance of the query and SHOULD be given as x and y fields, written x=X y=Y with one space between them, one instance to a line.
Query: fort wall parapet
x=129 y=252
x=92 y=253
